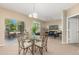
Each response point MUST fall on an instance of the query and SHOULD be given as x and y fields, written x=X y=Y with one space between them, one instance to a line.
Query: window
x=36 y=27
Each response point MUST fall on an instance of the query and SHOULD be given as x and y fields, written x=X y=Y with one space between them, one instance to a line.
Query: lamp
x=33 y=14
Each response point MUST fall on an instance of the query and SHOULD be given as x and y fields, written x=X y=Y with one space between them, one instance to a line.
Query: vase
x=33 y=35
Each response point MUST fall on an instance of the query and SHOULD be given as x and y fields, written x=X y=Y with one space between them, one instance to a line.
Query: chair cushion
x=27 y=44
x=38 y=44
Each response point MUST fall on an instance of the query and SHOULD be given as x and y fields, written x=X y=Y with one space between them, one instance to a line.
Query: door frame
x=67 y=22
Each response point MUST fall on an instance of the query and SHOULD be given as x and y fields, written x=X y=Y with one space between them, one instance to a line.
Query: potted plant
x=34 y=29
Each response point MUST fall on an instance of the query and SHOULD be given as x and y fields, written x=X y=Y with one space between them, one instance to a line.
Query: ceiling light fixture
x=33 y=14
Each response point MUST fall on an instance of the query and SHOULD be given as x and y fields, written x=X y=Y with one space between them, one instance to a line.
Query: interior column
x=64 y=18
x=2 y=31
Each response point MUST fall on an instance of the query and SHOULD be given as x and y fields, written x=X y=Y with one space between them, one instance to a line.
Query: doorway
x=72 y=30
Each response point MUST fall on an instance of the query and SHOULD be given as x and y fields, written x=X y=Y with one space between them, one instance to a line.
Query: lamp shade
x=30 y=15
x=35 y=15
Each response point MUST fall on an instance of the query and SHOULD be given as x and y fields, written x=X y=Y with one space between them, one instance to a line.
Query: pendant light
x=33 y=14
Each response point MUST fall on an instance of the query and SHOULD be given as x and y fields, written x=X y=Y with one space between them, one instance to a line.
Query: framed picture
x=53 y=27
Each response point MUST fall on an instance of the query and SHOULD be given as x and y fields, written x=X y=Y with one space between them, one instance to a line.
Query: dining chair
x=41 y=45
x=23 y=45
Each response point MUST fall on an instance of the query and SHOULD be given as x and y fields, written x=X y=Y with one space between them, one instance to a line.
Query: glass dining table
x=34 y=40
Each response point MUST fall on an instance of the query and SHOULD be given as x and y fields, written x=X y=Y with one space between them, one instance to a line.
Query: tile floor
x=55 y=47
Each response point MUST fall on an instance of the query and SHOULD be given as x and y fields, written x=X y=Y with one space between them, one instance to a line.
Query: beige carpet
x=54 y=47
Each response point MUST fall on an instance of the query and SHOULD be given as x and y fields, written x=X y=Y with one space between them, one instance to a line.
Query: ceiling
x=46 y=11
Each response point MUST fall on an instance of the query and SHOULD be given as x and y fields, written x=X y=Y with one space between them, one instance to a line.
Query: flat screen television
x=53 y=27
